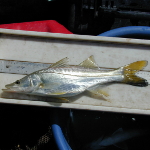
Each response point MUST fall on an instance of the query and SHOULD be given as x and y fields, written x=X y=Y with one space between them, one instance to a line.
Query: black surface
x=24 y=127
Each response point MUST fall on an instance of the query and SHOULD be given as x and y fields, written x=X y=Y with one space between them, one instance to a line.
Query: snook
x=62 y=80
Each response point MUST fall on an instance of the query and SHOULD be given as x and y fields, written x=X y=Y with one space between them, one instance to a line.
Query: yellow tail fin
x=129 y=73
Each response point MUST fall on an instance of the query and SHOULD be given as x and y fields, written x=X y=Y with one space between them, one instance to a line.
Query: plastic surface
x=58 y=117
x=48 y=48
x=61 y=142
x=58 y=135
x=131 y=31
x=40 y=26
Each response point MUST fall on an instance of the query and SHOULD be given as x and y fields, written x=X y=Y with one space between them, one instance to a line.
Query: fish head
x=24 y=85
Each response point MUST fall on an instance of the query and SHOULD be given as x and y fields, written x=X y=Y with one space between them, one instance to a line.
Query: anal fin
x=121 y=145
x=98 y=93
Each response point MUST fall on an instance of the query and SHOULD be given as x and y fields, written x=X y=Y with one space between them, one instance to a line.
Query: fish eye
x=17 y=82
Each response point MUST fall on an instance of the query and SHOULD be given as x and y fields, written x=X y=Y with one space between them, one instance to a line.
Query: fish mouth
x=8 y=89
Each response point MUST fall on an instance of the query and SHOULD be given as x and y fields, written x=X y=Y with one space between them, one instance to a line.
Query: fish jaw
x=12 y=88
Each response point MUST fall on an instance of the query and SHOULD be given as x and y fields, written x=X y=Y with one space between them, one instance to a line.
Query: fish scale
x=24 y=67
x=62 y=80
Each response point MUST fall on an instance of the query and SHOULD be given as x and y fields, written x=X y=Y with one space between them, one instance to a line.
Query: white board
x=108 y=53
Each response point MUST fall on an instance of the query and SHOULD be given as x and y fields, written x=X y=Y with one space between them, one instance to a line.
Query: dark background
x=28 y=128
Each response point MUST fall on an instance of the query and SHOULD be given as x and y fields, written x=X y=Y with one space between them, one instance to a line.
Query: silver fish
x=117 y=139
x=62 y=80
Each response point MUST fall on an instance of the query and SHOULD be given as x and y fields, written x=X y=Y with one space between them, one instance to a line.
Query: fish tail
x=130 y=76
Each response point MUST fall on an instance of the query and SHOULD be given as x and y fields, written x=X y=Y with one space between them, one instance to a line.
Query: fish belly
x=62 y=85
x=59 y=85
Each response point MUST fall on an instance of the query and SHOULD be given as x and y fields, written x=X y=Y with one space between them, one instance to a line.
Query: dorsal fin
x=61 y=63
x=89 y=63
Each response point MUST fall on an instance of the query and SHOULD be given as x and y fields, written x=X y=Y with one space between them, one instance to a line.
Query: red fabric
x=41 y=26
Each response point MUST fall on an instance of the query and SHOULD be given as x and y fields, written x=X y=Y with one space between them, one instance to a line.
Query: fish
x=117 y=139
x=61 y=80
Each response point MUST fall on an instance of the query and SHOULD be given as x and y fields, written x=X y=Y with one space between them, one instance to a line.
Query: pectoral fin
x=56 y=93
x=62 y=98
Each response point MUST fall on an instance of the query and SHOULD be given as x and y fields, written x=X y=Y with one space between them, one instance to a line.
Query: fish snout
x=10 y=88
